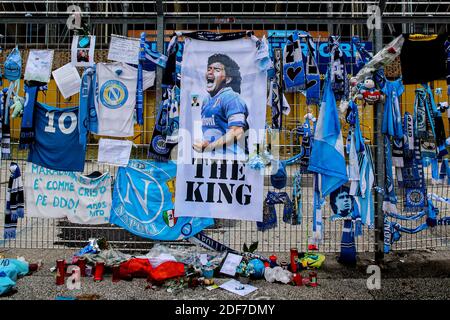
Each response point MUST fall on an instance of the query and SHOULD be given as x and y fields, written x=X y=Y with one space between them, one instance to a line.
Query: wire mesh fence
x=59 y=233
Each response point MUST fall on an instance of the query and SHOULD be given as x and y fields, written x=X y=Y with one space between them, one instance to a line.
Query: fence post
x=379 y=166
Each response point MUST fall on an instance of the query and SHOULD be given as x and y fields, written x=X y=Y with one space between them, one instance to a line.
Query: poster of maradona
x=222 y=117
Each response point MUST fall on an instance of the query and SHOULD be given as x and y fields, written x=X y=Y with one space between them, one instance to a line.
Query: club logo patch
x=113 y=94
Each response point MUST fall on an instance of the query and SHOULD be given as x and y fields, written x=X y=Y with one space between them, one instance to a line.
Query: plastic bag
x=277 y=274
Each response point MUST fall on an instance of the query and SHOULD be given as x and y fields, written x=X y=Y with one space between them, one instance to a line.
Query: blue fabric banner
x=143 y=202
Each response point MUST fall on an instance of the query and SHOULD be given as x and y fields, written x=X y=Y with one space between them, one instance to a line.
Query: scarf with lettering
x=159 y=149
x=414 y=181
x=294 y=216
x=294 y=76
x=312 y=73
x=306 y=145
x=438 y=123
x=392 y=229
x=318 y=202
x=5 y=129
x=390 y=198
x=14 y=201
x=447 y=46
x=407 y=152
x=339 y=80
x=277 y=91
x=27 y=125
x=87 y=114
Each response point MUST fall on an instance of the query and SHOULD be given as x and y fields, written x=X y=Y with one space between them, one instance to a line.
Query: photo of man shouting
x=224 y=113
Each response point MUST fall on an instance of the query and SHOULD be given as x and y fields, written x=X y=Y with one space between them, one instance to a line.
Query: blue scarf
x=414 y=182
x=392 y=229
x=159 y=149
x=140 y=82
x=447 y=46
x=390 y=198
x=27 y=126
x=312 y=73
x=318 y=202
x=306 y=145
x=363 y=195
x=338 y=76
x=87 y=113
x=277 y=92
x=270 y=213
x=14 y=201
x=362 y=56
x=392 y=118
x=293 y=68
x=296 y=217
x=348 y=248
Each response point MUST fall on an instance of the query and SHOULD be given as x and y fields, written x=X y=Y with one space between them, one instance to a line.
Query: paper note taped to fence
x=124 y=49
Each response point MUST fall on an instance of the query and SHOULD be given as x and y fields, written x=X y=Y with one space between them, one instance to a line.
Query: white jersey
x=117 y=83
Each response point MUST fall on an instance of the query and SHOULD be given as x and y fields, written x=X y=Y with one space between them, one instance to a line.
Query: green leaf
x=245 y=248
x=253 y=247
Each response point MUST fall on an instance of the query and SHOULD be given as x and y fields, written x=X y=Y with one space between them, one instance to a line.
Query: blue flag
x=327 y=156
x=143 y=202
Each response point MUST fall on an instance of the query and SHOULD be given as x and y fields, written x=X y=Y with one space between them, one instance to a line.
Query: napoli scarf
x=348 y=248
x=296 y=217
x=437 y=122
x=363 y=197
x=447 y=46
x=27 y=126
x=14 y=201
x=173 y=116
x=317 y=211
x=293 y=67
x=306 y=145
x=414 y=182
x=158 y=148
x=5 y=130
x=390 y=198
x=339 y=80
x=87 y=113
x=362 y=56
x=392 y=229
x=420 y=116
x=407 y=152
x=392 y=119
x=269 y=211
x=312 y=73
x=277 y=92
x=408 y=124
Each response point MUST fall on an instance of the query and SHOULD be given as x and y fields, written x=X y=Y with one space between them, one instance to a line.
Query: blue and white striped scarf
x=14 y=201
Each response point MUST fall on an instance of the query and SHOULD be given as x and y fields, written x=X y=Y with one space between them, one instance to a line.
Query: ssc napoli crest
x=415 y=198
x=143 y=202
x=113 y=94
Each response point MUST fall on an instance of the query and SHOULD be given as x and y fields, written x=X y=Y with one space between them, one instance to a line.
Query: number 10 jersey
x=57 y=144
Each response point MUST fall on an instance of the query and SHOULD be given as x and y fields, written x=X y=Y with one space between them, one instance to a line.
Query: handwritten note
x=124 y=49
x=58 y=194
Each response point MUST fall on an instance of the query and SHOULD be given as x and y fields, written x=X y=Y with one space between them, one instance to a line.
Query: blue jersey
x=56 y=145
x=224 y=110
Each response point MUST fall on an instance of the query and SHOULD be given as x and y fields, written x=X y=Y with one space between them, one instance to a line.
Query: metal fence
x=59 y=233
